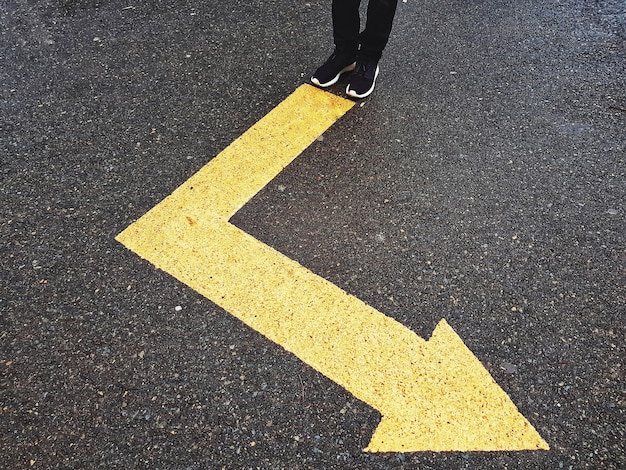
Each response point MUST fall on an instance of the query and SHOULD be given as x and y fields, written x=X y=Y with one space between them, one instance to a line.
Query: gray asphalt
x=482 y=182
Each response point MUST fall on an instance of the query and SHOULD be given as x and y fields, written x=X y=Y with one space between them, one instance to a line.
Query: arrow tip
x=456 y=406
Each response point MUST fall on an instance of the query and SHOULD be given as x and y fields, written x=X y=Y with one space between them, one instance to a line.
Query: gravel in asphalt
x=482 y=182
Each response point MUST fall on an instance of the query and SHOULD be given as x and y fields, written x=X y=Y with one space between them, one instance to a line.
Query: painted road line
x=433 y=395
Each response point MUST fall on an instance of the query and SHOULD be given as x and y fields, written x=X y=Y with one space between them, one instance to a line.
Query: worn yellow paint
x=433 y=395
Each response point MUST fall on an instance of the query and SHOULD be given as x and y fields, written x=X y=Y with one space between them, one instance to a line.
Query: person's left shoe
x=363 y=78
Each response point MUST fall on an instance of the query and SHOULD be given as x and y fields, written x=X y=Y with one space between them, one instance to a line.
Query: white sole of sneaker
x=347 y=68
x=354 y=94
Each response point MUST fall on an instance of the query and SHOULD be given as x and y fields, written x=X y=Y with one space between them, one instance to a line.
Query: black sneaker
x=363 y=80
x=328 y=74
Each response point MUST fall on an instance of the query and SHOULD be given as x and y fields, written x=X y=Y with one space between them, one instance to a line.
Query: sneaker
x=363 y=80
x=328 y=74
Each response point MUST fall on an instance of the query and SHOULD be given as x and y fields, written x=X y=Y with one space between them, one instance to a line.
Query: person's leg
x=374 y=38
x=346 y=26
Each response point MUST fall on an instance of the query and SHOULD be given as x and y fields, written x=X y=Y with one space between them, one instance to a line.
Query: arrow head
x=455 y=406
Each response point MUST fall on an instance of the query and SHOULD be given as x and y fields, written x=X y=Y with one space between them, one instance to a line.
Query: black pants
x=347 y=24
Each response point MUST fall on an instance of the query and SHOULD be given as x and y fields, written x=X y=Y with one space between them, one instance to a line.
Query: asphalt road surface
x=482 y=182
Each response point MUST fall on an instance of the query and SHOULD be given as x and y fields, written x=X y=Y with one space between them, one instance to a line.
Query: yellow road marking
x=433 y=395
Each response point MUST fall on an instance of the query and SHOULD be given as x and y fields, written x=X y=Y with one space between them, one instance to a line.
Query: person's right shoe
x=339 y=62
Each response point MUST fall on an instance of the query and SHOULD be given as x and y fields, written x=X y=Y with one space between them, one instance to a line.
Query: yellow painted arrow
x=433 y=395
